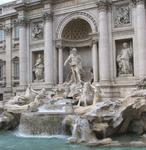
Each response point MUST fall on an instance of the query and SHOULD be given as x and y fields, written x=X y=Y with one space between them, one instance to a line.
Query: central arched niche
x=77 y=29
x=77 y=33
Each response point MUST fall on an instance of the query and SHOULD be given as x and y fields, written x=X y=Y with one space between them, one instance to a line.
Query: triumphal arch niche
x=78 y=30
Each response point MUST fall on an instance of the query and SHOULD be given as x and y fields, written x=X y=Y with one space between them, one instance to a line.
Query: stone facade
x=36 y=37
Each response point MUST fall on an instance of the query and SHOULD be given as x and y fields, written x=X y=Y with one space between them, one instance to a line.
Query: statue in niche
x=122 y=15
x=37 y=31
x=38 y=68
x=75 y=63
x=124 y=60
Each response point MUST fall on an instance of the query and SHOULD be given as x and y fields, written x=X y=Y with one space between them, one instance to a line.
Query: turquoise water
x=8 y=141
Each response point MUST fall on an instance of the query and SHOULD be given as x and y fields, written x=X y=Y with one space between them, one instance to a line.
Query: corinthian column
x=104 y=45
x=48 y=52
x=23 y=51
x=141 y=34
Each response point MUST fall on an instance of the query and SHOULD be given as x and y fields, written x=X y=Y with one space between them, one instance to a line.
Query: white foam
x=43 y=109
x=23 y=135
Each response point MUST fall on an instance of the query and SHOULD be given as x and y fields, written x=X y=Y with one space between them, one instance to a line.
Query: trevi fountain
x=78 y=110
x=73 y=75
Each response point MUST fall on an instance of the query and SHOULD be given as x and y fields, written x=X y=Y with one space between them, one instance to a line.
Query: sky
x=5 y=1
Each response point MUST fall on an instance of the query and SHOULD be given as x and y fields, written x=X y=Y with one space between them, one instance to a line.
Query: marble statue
x=38 y=101
x=66 y=90
x=75 y=90
x=28 y=102
x=87 y=94
x=76 y=65
x=124 y=60
x=24 y=99
x=97 y=93
x=39 y=68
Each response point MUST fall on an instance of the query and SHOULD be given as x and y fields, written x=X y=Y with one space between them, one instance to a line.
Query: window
x=16 y=32
x=1 y=35
x=16 y=68
x=1 y=11
x=1 y=70
x=1 y=97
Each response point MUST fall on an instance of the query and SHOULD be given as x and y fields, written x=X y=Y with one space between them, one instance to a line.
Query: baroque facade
x=36 y=37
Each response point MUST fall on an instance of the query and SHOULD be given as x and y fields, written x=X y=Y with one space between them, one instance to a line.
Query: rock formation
x=12 y=110
x=88 y=124
x=108 y=118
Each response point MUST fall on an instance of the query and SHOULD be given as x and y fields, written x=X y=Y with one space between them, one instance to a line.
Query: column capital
x=137 y=2
x=104 y=5
x=1 y=27
x=94 y=41
x=47 y=16
x=8 y=28
x=94 y=38
x=59 y=44
x=21 y=21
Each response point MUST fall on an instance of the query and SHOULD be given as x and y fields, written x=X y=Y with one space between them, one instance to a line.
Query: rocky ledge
x=108 y=118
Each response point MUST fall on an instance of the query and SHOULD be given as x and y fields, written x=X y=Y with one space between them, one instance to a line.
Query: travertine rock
x=9 y=121
x=81 y=131
x=108 y=117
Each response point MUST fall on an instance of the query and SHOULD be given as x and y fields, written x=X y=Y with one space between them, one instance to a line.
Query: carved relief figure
x=124 y=60
x=75 y=63
x=37 y=31
x=122 y=15
x=38 y=68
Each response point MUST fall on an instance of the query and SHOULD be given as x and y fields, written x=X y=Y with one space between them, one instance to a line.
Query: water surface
x=9 y=141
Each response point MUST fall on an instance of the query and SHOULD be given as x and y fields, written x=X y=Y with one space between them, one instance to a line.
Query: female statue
x=39 y=68
x=124 y=60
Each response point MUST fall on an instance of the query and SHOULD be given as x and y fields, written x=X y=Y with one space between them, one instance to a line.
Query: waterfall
x=41 y=124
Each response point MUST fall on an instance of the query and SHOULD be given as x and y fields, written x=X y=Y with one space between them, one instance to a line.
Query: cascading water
x=47 y=121
x=41 y=124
